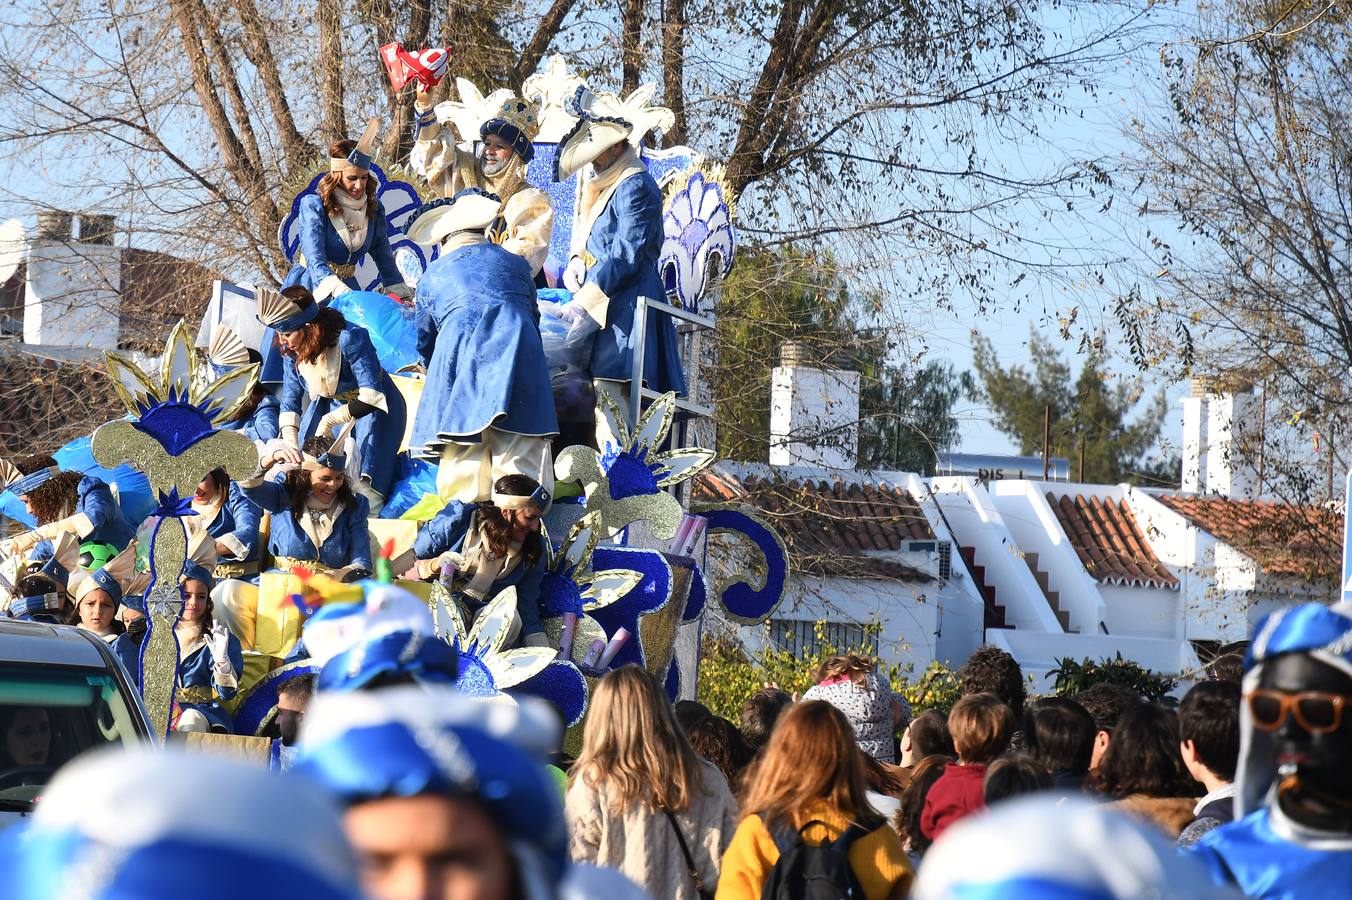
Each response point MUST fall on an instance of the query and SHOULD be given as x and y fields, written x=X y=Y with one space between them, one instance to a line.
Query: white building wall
x=1037 y=653
x=814 y=417
x=73 y=295
x=1213 y=426
x=1142 y=611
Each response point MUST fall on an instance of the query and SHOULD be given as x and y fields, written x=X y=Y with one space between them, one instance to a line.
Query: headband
x=539 y=498
x=32 y=481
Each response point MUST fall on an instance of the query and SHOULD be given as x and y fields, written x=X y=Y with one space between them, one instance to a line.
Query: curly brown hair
x=332 y=180
x=297 y=487
x=856 y=668
x=991 y=670
x=497 y=530
x=55 y=498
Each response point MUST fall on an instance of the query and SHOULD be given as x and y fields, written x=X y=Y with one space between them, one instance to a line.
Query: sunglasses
x=1317 y=712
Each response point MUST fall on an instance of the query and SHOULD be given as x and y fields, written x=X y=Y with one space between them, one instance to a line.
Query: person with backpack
x=809 y=831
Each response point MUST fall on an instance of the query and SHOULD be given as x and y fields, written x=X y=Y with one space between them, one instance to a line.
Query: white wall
x=814 y=417
x=73 y=295
x=1212 y=424
x=1142 y=611
x=1037 y=653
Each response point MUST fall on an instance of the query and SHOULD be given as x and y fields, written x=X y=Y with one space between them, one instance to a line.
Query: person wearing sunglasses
x=1292 y=834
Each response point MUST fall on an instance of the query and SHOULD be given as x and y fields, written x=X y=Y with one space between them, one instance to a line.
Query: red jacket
x=956 y=793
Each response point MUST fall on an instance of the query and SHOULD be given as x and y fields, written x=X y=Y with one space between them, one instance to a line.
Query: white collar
x=1220 y=793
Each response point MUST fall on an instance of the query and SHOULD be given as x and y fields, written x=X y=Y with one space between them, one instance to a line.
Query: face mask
x=288 y=724
x=137 y=627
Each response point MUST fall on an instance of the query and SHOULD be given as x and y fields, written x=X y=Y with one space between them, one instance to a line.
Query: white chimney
x=814 y=413
x=74 y=289
x=1222 y=430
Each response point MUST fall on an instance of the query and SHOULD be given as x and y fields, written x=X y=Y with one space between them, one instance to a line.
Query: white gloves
x=291 y=437
x=400 y=290
x=218 y=645
x=333 y=418
x=575 y=274
x=79 y=525
x=330 y=286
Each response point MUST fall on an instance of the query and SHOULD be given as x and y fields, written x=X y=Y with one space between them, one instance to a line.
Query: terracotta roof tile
x=1109 y=542
x=830 y=527
x=1283 y=538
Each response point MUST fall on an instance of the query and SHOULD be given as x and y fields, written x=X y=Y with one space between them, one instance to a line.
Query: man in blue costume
x=616 y=243
x=487 y=409
x=1292 y=836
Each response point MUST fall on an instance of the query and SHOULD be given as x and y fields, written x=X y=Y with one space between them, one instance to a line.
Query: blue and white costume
x=262 y=425
x=336 y=538
x=97 y=518
x=231 y=519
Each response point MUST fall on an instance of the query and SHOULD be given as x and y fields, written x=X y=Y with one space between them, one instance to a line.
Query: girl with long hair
x=811 y=785
x=639 y=799
x=65 y=503
x=232 y=520
x=210 y=659
x=1142 y=771
x=493 y=545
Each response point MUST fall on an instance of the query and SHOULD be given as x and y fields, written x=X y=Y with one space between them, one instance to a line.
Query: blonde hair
x=632 y=746
x=812 y=760
x=856 y=668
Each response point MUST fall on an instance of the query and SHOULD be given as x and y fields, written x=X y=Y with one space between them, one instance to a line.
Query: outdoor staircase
x=995 y=613
x=1044 y=582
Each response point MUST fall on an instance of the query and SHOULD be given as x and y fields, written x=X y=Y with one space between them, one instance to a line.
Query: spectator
x=1013 y=775
x=1142 y=772
x=907 y=822
x=991 y=670
x=1060 y=735
x=760 y=712
x=718 y=741
x=690 y=713
x=885 y=786
x=1228 y=666
x=927 y=735
x=1105 y=704
x=812 y=782
x=293 y=699
x=981 y=726
x=639 y=799
x=850 y=685
x=1208 y=726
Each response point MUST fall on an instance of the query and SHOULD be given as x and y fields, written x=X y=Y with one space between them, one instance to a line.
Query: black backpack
x=807 y=871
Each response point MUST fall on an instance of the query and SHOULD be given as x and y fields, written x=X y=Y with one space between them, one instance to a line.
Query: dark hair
x=1143 y=757
x=760 y=712
x=1209 y=717
x=1227 y=667
x=219 y=478
x=29 y=464
x=882 y=777
x=907 y=820
x=297 y=485
x=1012 y=775
x=1106 y=703
x=689 y=713
x=73 y=617
x=718 y=740
x=301 y=687
x=991 y=670
x=329 y=184
x=1060 y=734
x=56 y=497
x=497 y=530
x=37 y=583
x=929 y=735
x=981 y=725
x=319 y=334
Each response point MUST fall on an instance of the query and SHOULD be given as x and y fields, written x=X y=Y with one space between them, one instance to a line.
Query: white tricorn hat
x=589 y=138
x=470 y=210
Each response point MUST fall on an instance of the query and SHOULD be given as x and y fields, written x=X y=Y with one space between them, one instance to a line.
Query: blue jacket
x=262 y=425
x=196 y=671
x=350 y=542
x=95 y=500
x=626 y=241
x=447 y=531
x=479 y=336
x=1250 y=855
x=239 y=518
x=323 y=248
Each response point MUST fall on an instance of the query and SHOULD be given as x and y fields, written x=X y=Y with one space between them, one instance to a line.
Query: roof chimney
x=97 y=229
x=814 y=412
x=1222 y=437
x=54 y=225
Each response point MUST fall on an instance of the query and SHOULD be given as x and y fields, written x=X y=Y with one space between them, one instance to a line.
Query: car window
x=50 y=716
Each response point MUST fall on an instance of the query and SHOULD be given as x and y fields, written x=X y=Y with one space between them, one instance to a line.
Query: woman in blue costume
x=335 y=364
x=317 y=521
x=210 y=660
x=487 y=409
x=232 y=521
x=66 y=503
x=493 y=546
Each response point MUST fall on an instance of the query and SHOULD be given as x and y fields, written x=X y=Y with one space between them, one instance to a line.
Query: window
x=807 y=638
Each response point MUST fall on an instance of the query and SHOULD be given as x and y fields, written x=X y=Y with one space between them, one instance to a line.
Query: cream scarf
x=321 y=375
x=208 y=511
x=318 y=520
x=351 y=221
x=596 y=194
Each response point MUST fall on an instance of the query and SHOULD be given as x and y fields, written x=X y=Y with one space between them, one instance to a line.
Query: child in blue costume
x=232 y=521
x=493 y=546
x=1292 y=834
x=487 y=409
x=66 y=503
x=210 y=660
x=336 y=366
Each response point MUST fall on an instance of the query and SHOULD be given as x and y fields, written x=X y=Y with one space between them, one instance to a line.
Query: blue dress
x=377 y=434
x=322 y=248
x=195 y=670
x=479 y=336
x=349 y=543
x=262 y=426
x=237 y=519
x=447 y=531
x=1248 y=854
x=626 y=241
x=95 y=500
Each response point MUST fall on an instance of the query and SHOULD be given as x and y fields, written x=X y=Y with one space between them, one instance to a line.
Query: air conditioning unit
x=944 y=549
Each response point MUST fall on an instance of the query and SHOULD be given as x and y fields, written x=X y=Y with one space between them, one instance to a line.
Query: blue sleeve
x=360 y=355
x=359 y=535
x=293 y=387
x=247 y=516
x=235 y=653
x=528 y=597
x=381 y=251
x=313 y=223
x=268 y=495
x=96 y=501
x=445 y=532
x=427 y=332
x=265 y=419
x=638 y=227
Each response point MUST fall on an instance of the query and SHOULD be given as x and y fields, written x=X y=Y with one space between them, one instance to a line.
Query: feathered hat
x=517 y=122
x=117 y=577
x=591 y=136
x=360 y=157
x=281 y=313
x=472 y=209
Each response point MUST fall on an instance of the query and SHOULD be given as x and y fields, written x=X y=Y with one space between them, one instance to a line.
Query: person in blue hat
x=487 y=409
x=446 y=796
x=1292 y=834
x=41 y=591
x=342 y=222
x=493 y=546
x=65 y=502
x=99 y=595
x=210 y=659
x=334 y=364
x=153 y=824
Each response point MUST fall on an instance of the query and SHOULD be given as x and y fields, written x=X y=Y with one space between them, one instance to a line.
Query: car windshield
x=50 y=716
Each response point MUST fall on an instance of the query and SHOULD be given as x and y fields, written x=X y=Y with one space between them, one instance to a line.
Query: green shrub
x=1073 y=677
